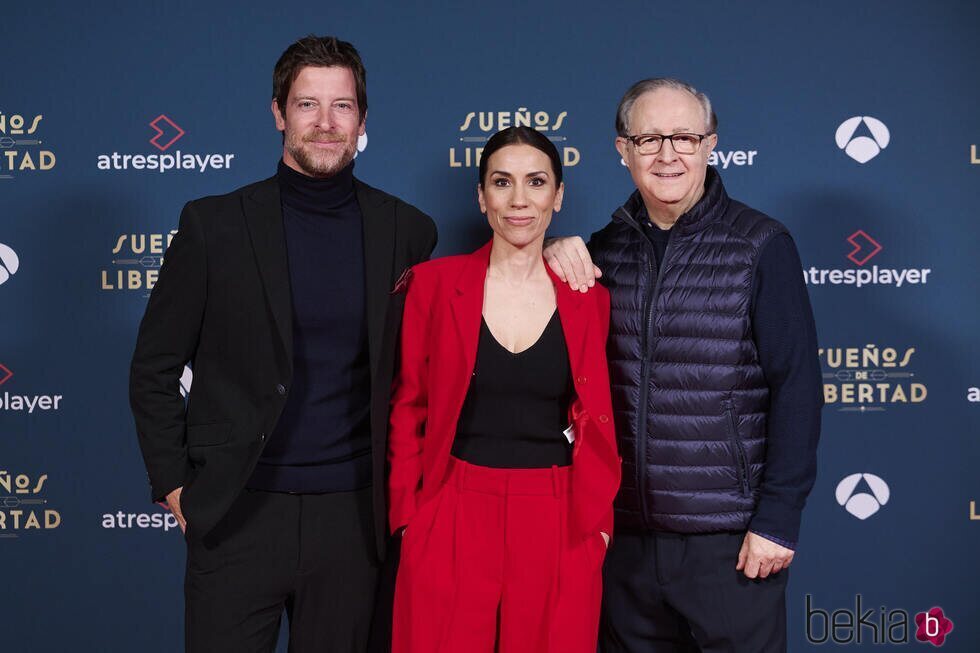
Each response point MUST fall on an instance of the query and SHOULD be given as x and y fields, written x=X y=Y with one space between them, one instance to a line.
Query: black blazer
x=223 y=303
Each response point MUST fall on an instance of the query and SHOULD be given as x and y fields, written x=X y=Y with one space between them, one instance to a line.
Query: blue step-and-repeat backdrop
x=856 y=123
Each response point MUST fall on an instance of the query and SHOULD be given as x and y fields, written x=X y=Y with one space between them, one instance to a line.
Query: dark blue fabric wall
x=101 y=569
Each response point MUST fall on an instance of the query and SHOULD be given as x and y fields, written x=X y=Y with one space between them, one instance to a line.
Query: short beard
x=322 y=164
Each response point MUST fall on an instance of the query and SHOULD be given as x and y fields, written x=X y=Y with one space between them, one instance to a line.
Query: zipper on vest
x=653 y=293
x=741 y=460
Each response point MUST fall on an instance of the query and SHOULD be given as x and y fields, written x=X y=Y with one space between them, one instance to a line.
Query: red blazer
x=439 y=337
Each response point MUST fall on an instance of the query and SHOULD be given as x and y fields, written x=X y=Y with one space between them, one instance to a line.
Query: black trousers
x=312 y=555
x=673 y=593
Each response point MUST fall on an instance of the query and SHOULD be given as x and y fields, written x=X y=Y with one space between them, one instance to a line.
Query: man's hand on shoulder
x=760 y=557
x=569 y=258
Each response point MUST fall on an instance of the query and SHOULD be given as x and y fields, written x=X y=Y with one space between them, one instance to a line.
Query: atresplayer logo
x=164 y=125
x=859 y=147
x=164 y=133
x=27 y=403
x=479 y=126
x=882 y=626
x=863 y=248
x=163 y=521
x=21 y=505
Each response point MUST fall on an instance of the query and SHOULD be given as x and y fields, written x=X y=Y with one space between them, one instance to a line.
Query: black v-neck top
x=516 y=408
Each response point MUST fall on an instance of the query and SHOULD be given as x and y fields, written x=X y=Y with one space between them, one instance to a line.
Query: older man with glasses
x=716 y=387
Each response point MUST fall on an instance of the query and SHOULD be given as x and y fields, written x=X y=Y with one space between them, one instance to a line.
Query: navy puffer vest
x=689 y=395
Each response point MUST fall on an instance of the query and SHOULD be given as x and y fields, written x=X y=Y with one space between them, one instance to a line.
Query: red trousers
x=488 y=565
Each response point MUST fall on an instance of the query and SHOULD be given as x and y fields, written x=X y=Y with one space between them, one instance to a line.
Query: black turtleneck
x=322 y=442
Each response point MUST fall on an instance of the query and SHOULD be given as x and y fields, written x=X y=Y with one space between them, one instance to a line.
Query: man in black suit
x=279 y=295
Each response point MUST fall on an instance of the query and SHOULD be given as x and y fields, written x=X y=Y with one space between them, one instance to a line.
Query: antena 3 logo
x=164 y=132
x=478 y=126
x=862 y=502
x=862 y=148
x=9 y=263
x=860 y=249
x=21 y=505
x=869 y=378
x=136 y=261
x=16 y=150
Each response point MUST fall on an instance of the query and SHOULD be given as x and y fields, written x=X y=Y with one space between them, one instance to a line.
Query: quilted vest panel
x=689 y=395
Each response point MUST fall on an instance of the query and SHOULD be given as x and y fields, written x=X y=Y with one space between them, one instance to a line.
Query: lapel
x=467 y=306
x=573 y=323
x=263 y=215
x=378 y=220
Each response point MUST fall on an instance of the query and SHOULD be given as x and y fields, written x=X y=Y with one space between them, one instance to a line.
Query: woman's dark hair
x=520 y=136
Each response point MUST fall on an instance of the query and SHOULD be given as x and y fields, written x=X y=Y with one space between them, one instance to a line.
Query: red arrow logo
x=173 y=126
x=862 y=241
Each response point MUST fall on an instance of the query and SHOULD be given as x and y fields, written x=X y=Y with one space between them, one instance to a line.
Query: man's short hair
x=319 y=51
x=653 y=84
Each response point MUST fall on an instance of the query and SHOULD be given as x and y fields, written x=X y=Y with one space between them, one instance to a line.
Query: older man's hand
x=760 y=557
x=569 y=258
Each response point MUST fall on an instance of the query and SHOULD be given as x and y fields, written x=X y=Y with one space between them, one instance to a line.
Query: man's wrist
x=778 y=540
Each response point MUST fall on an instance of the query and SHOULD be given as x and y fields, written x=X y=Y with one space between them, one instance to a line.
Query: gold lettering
x=572 y=156
x=119 y=244
x=870 y=357
x=898 y=397
x=829 y=393
x=27 y=163
x=865 y=394
x=918 y=392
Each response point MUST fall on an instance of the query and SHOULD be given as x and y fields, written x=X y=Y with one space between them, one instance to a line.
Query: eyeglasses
x=652 y=143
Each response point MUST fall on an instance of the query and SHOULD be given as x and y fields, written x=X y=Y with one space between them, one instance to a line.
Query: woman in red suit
x=502 y=448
